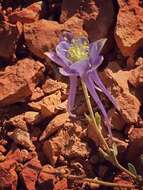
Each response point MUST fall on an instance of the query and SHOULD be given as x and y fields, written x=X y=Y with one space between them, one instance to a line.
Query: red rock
x=9 y=35
x=136 y=78
x=130 y=107
x=117 y=80
x=8 y=176
x=32 y=117
x=67 y=143
x=117 y=122
x=54 y=125
x=18 y=122
x=18 y=155
x=48 y=106
x=61 y=185
x=26 y=15
x=2 y=149
x=16 y=83
x=135 y=148
x=23 y=138
x=47 y=178
x=43 y=35
x=37 y=94
x=50 y=86
x=123 y=179
x=97 y=16
x=30 y=173
x=8 y=179
x=129 y=36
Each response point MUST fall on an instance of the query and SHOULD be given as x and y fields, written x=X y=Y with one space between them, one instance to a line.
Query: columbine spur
x=77 y=58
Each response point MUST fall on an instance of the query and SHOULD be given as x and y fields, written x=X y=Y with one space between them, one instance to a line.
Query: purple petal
x=53 y=56
x=95 y=49
x=67 y=72
x=61 y=50
x=80 y=67
x=72 y=93
x=97 y=62
x=91 y=88
x=67 y=36
x=98 y=82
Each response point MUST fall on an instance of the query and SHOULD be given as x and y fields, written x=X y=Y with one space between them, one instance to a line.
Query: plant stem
x=98 y=132
x=99 y=182
x=101 y=138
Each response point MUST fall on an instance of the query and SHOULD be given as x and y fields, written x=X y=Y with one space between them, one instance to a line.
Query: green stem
x=101 y=139
x=119 y=166
x=99 y=182
x=98 y=132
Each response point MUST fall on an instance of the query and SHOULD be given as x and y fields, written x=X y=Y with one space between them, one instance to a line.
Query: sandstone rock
x=124 y=179
x=54 y=125
x=2 y=149
x=32 y=117
x=30 y=173
x=37 y=94
x=130 y=107
x=26 y=15
x=136 y=78
x=135 y=148
x=43 y=35
x=67 y=143
x=75 y=25
x=61 y=185
x=35 y=71
x=8 y=176
x=16 y=83
x=48 y=106
x=129 y=37
x=9 y=35
x=8 y=179
x=18 y=122
x=117 y=80
x=47 y=178
x=97 y=16
x=23 y=138
x=50 y=86
x=116 y=120
x=18 y=155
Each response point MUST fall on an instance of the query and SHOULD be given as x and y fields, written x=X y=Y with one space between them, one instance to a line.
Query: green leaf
x=98 y=118
x=132 y=169
x=115 y=150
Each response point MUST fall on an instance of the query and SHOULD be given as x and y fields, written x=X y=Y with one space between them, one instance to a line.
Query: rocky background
x=37 y=138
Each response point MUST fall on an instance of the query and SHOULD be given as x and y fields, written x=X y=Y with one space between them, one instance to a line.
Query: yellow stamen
x=78 y=51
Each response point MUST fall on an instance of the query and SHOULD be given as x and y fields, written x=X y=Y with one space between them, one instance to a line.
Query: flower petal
x=67 y=72
x=53 y=56
x=67 y=36
x=90 y=85
x=95 y=49
x=80 y=67
x=72 y=93
x=97 y=62
x=98 y=82
x=61 y=50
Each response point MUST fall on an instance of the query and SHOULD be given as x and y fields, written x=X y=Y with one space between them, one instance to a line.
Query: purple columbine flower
x=77 y=58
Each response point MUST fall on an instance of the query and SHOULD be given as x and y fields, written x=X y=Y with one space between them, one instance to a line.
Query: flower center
x=78 y=50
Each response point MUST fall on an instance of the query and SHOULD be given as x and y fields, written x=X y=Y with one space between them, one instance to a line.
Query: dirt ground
x=38 y=139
